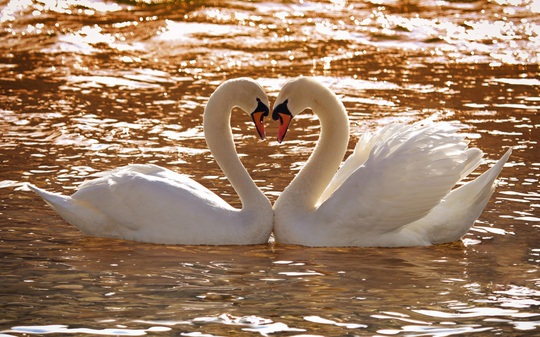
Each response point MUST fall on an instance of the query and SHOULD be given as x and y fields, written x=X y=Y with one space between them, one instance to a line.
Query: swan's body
x=394 y=190
x=153 y=204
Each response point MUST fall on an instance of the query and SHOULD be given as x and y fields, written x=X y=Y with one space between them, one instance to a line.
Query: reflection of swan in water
x=394 y=190
x=153 y=204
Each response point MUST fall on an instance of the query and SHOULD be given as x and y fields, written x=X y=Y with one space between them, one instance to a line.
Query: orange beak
x=258 y=119
x=281 y=112
x=284 y=121
x=258 y=115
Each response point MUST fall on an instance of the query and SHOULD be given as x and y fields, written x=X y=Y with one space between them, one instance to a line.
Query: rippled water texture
x=88 y=85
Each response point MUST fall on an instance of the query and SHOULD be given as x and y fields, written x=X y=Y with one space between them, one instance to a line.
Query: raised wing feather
x=408 y=171
x=360 y=154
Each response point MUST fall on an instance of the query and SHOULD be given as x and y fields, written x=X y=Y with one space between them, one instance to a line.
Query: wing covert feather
x=146 y=192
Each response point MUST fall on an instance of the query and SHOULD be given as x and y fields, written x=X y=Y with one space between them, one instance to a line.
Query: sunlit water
x=86 y=86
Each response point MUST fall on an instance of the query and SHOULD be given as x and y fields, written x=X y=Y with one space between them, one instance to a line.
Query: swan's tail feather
x=84 y=218
x=456 y=214
x=55 y=200
x=458 y=211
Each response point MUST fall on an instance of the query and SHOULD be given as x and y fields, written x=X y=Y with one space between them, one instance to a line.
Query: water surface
x=87 y=86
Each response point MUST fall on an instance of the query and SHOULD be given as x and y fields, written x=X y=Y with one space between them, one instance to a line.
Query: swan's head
x=243 y=93
x=252 y=99
x=294 y=97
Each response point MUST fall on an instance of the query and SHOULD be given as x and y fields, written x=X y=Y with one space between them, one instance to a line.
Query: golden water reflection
x=90 y=86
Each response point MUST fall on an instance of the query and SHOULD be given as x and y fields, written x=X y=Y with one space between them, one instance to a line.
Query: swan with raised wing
x=396 y=189
x=153 y=204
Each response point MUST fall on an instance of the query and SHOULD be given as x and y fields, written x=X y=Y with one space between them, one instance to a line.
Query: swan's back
x=127 y=184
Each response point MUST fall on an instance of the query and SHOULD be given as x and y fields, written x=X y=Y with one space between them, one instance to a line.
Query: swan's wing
x=142 y=179
x=360 y=154
x=145 y=197
x=404 y=177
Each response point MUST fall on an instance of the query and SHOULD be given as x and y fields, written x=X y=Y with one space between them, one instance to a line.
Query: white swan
x=153 y=204
x=394 y=190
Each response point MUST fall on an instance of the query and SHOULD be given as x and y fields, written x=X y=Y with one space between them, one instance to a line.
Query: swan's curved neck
x=219 y=137
x=305 y=190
